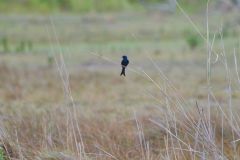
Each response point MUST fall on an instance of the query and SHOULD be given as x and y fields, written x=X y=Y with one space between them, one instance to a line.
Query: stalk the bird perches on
x=124 y=64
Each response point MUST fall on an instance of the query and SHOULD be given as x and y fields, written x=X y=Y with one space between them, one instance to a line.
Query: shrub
x=21 y=47
x=2 y=154
x=193 y=40
x=5 y=44
x=50 y=60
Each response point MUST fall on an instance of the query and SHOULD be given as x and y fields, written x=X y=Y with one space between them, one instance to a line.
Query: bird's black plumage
x=124 y=64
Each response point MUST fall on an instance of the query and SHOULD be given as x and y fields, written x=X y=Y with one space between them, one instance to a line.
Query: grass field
x=62 y=98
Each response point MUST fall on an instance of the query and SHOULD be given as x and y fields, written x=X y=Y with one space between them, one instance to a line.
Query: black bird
x=124 y=64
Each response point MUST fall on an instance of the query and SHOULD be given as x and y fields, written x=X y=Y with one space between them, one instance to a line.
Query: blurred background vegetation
x=108 y=26
x=46 y=6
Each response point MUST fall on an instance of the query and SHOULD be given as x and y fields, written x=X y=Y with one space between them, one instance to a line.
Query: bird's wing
x=127 y=62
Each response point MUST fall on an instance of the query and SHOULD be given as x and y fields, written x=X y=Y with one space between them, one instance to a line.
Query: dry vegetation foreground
x=99 y=115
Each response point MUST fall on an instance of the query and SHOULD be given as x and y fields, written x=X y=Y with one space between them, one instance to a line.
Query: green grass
x=2 y=156
x=44 y=6
x=85 y=6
